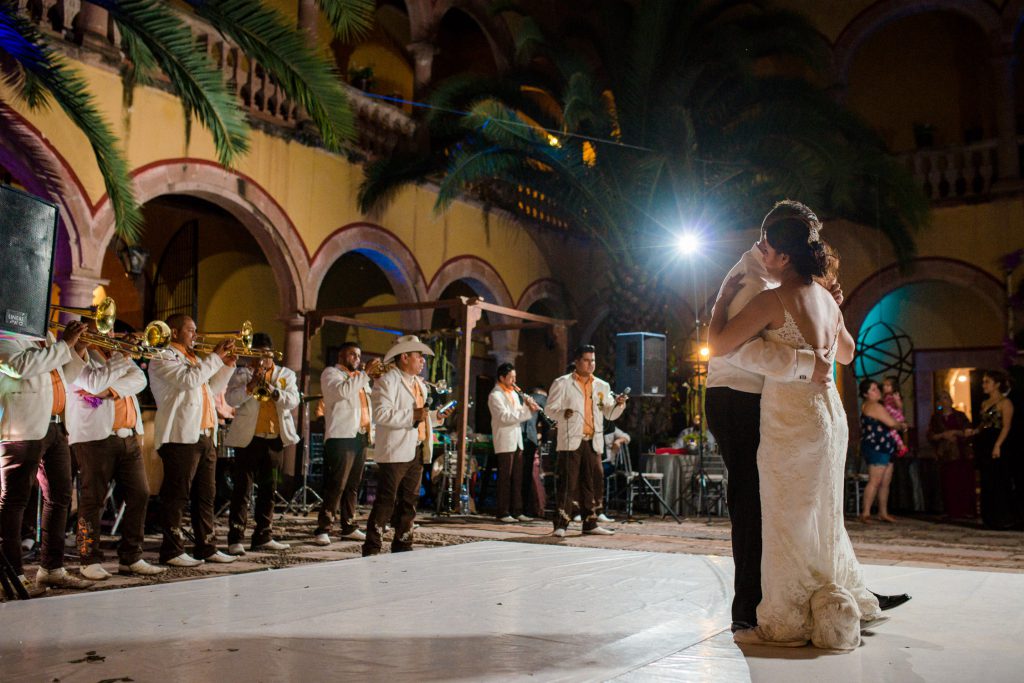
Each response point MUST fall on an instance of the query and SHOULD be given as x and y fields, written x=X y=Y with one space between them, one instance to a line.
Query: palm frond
x=199 y=85
x=44 y=71
x=308 y=77
x=385 y=177
x=349 y=19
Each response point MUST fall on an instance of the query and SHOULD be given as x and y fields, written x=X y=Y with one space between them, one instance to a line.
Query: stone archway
x=882 y=13
x=240 y=196
x=382 y=247
x=485 y=282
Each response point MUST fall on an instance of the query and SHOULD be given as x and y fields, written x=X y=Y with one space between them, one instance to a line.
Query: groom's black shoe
x=889 y=601
x=741 y=626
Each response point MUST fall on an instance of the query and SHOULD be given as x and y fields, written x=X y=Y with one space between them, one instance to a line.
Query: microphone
x=625 y=392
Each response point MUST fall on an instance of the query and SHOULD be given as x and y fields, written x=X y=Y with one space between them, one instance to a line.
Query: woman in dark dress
x=989 y=439
x=947 y=433
x=877 y=448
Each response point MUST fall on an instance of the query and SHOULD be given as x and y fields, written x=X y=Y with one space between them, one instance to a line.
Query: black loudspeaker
x=28 y=232
x=640 y=363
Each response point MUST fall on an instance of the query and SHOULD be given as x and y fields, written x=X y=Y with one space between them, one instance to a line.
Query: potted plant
x=361 y=77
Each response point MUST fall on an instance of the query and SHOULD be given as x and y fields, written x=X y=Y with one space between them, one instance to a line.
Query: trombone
x=105 y=316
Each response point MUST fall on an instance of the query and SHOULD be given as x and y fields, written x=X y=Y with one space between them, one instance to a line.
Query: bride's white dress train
x=812 y=585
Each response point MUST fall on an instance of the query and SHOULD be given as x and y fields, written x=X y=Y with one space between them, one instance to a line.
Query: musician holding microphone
x=578 y=401
x=185 y=428
x=510 y=408
x=348 y=430
x=404 y=430
x=105 y=432
x=264 y=395
x=34 y=379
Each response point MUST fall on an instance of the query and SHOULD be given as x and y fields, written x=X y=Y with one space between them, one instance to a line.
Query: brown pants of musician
x=99 y=462
x=47 y=460
x=398 y=491
x=343 y=472
x=260 y=460
x=510 y=481
x=597 y=482
x=575 y=484
x=190 y=473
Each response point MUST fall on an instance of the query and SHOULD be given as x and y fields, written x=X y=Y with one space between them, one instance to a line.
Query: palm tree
x=654 y=115
x=154 y=38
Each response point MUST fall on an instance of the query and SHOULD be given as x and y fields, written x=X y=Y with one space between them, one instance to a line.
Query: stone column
x=505 y=355
x=294 y=333
x=422 y=53
x=309 y=17
x=76 y=291
x=1006 y=115
x=93 y=31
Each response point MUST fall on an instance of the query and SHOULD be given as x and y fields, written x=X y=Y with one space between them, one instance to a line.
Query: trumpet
x=207 y=342
x=105 y=316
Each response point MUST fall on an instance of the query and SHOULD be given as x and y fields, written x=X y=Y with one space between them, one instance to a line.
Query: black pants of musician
x=575 y=486
x=344 y=460
x=734 y=418
x=261 y=460
x=597 y=482
x=47 y=460
x=510 y=484
x=398 y=491
x=99 y=463
x=190 y=474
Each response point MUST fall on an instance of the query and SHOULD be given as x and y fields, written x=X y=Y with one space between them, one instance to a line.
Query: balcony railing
x=952 y=173
x=382 y=127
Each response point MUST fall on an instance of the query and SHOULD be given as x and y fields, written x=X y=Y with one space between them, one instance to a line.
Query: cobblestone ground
x=918 y=542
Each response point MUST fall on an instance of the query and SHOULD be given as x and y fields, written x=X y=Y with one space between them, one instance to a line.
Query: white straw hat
x=406 y=344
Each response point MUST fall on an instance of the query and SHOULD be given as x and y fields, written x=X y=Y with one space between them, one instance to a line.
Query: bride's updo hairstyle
x=791 y=228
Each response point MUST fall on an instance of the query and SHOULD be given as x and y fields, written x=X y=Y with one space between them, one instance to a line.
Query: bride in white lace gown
x=812 y=584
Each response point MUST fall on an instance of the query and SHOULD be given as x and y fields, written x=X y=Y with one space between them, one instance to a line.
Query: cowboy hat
x=407 y=344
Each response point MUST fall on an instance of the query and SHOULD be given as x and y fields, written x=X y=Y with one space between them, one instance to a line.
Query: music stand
x=303 y=491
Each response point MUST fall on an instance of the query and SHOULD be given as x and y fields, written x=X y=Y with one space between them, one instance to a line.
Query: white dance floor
x=497 y=611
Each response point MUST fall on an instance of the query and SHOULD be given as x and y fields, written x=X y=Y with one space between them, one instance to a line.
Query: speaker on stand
x=28 y=231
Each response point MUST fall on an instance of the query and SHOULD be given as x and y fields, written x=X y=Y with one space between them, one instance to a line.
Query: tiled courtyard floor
x=916 y=542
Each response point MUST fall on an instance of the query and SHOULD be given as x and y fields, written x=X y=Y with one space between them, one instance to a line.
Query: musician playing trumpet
x=510 y=408
x=264 y=395
x=105 y=432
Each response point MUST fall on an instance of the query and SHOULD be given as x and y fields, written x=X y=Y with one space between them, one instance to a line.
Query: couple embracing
x=775 y=334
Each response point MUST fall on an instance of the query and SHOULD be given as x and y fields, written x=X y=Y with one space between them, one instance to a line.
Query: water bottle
x=464 y=500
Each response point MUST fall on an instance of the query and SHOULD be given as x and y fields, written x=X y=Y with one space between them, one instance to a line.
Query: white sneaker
x=321 y=539
x=140 y=568
x=95 y=572
x=183 y=560
x=576 y=518
x=604 y=518
x=507 y=519
x=559 y=533
x=598 y=531
x=356 y=535
x=59 y=578
x=272 y=545
x=236 y=549
x=524 y=518
x=220 y=558
x=33 y=589
x=27 y=544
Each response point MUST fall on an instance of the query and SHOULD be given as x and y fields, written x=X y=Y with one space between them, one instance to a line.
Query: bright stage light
x=688 y=243
x=705 y=352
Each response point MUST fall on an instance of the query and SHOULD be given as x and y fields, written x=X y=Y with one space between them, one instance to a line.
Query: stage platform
x=497 y=611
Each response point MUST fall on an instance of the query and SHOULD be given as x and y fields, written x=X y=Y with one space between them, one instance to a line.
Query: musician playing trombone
x=510 y=408
x=578 y=401
x=105 y=432
x=184 y=387
x=34 y=380
x=264 y=394
x=348 y=429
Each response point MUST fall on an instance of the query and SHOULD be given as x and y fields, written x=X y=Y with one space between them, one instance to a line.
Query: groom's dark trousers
x=734 y=418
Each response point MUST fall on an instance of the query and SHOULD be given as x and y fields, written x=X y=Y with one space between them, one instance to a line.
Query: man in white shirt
x=348 y=429
x=185 y=430
x=105 y=433
x=580 y=402
x=508 y=413
x=34 y=379
x=264 y=395
x=404 y=430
